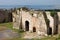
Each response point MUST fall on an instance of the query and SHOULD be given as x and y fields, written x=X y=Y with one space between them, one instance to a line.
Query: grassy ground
x=9 y=25
x=4 y=26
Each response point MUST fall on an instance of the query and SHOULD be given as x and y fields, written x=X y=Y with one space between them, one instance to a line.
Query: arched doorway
x=49 y=30
x=27 y=25
x=34 y=29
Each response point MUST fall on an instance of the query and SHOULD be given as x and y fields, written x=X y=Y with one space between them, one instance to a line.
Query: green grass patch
x=8 y=25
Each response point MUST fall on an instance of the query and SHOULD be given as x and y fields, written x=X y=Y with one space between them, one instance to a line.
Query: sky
x=29 y=2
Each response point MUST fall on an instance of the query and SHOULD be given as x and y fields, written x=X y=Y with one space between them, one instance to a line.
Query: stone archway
x=34 y=29
x=27 y=25
x=49 y=30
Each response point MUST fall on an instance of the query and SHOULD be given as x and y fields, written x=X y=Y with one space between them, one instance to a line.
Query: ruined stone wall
x=58 y=22
x=32 y=19
x=26 y=17
x=41 y=20
x=43 y=25
x=16 y=19
x=51 y=21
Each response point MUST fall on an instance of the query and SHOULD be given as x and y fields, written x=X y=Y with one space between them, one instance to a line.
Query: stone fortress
x=34 y=21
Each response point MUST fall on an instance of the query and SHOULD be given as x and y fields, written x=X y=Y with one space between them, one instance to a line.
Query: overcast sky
x=29 y=2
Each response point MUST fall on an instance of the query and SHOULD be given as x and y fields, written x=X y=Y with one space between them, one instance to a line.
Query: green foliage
x=53 y=13
x=25 y=9
x=7 y=25
x=18 y=8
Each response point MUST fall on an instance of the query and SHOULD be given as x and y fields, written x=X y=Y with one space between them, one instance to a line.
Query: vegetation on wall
x=25 y=9
x=53 y=13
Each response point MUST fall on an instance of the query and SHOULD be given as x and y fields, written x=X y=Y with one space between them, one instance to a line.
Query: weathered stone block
x=51 y=21
x=58 y=22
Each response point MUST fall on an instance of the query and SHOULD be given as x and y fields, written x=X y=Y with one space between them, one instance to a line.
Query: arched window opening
x=27 y=25
x=34 y=29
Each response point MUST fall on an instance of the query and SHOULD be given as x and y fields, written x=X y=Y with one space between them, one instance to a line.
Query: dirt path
x=6 y=33
x=3 y=28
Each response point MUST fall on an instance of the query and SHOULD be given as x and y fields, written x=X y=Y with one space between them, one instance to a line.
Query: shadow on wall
x=56 y=19
x=49 y=29
x=47 y=23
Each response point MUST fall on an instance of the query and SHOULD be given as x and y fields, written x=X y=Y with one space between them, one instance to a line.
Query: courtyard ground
x=8 y=33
